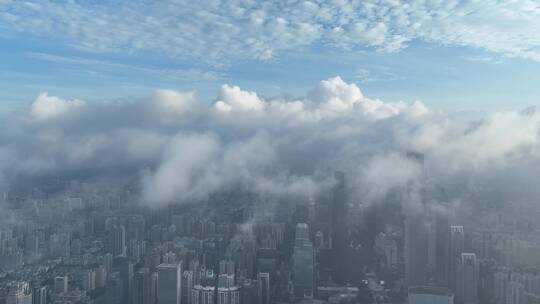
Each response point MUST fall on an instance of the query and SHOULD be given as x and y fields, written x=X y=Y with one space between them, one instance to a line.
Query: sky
x=451 y=55
x=186 y=98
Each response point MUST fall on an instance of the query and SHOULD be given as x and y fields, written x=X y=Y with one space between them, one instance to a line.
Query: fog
x=178 y=147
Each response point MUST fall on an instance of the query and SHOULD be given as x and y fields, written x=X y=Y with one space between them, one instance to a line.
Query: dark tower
x=339 y=233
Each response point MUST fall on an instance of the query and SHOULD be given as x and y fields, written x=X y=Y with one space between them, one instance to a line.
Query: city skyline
x=269 y=152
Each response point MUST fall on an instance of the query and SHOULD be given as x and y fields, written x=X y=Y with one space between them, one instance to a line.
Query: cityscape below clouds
x=269 y=152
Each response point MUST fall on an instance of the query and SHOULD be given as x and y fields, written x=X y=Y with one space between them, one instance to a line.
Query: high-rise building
x=169 y=258
x=249 y=292
x=456 y=247
x=442 y=228
x=19 y=293
x=226 y=280
x=416 y=249
x=142 y=286
x=303 y=263
x=169 y=283
x=203 y=294
x=227 y=292
x=338 y=227
x=114 y=291
x=226 y=267
x=228 y=295
x=417 y=243
x=154 y=287
x=101 y=276
x=117 y=241
x=88 y=279
x=39 y=295
x=263 y=279
x=124 y=267
x=188 y=281
x=61 y=284
x=467 y=279
x=204 y=291
x=301 y=233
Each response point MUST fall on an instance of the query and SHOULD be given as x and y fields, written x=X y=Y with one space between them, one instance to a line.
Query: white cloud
x=45 y=106
x=168 y=105
x=185 y=149
x=214 y=31
x=232 y=98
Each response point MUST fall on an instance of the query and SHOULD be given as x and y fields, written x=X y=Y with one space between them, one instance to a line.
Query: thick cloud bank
x=180 y=148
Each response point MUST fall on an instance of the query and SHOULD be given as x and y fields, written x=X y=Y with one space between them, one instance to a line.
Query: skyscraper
x=456 y=247
x=417 y=238
x=416 y=250
x=60 y=284
x=117 y=241
x=303 y=262
x=227 y=292
x=338 y=227
x=263 y=279
x=188 y=281
x=169 y=283
x=19 y=293
x=142 y=287
x=39 y=295
x=467 y=279
x=226 y=267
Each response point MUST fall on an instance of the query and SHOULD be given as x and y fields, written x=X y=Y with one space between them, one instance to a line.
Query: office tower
x=442 y=227
x=227 y=292
x=303 y=263
x=88 y=279
x=136 y=250
x=19 y=293
x=154 y=287
x=169 y=283
x=417 y=243
x=467 y=279
x=416 y=249
x=142 y=286
x=125 y=268
x=205 y=291
x=387 y=247
x=319 y=240
x=169 y=258
x=429 y=295
x=263 y=279
x=301 y=233
x=39 y=295
x=61 y=284
x=117 y=241
x=226 y=280
x=187 y=285
x=226 y=267
x=249 y=292
x=339 y=234
x=456 y=247
x=203 y=294
x=101 y=276
x=114 y=290
x=108 y=262
x=228 y=295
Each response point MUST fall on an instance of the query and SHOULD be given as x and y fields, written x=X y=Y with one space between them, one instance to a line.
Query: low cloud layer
x=180 y=148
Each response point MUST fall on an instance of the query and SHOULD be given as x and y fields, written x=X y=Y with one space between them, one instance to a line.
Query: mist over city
x=269 y=152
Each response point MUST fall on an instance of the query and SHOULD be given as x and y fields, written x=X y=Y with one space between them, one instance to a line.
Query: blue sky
x=456 y=55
